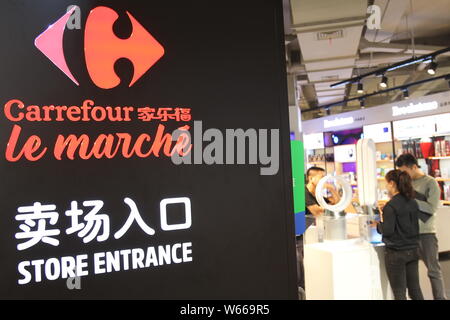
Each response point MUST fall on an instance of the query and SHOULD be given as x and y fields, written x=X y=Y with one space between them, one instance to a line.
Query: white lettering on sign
x=35 y=218
x=338 y=122
x=104 y=262
x=187 y=209
x=53 y=269
x=134 y=216
x=94 y=222
x=414 y=108
x=37 y=225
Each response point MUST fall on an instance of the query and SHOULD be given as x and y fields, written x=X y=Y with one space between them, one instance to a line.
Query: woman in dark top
x=400 y=229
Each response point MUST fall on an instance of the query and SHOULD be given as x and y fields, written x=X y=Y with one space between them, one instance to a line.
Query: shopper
x=400 y=229
x=313 y=176
x=313 y=210
x=428 y=199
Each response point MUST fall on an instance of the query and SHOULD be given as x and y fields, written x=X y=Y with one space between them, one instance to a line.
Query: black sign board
x=92 y=205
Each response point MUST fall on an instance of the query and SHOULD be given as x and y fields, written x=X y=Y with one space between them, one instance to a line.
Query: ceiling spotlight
x=432 y=68
x=384 y=82
x=405 y=93
x=360 y=88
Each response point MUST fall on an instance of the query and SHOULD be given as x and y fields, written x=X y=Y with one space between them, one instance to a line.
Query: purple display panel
x=349 y=167
x=343 y=137
x=292 y=136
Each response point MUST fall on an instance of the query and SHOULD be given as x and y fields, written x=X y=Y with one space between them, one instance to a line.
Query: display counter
x=329 y=276
x=442 y=226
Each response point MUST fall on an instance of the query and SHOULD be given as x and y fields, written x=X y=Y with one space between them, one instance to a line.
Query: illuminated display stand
x=412 y=126
x=330 y=276
x=337 y=239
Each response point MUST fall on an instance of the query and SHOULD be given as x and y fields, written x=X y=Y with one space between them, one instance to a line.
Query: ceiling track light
x=362 y=103
x=384 y=82
x=445 y=77
x=432 y=68
x=360 y=89
x=381 y=71
x=405 y=93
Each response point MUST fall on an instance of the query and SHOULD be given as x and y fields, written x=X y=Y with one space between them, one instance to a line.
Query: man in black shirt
x=313 y=210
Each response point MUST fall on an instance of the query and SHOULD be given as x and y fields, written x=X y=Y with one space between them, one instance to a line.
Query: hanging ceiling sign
x=418 y=127
x=414 y=108
x=338 y=122
x=434 y=104
x=380 y=132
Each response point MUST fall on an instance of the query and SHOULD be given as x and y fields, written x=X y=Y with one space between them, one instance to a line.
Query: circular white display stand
x=345 y=199
x=349 y=269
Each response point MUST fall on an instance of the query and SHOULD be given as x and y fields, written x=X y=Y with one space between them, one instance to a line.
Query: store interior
x=360 y=70
x=426 y=137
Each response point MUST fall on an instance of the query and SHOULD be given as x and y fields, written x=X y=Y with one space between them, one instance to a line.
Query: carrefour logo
x=102 y=48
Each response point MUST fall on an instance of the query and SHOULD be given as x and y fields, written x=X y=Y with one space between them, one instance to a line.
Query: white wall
x=295 y=122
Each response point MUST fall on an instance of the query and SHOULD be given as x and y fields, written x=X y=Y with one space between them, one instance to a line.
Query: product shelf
x=386 y=160
x=316 y=162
